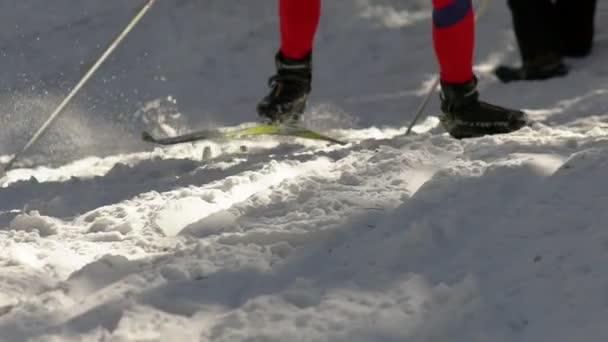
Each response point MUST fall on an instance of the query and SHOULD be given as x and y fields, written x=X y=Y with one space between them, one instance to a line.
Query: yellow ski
x=232 y=133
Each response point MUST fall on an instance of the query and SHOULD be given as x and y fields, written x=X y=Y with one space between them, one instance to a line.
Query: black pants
x=561 y=27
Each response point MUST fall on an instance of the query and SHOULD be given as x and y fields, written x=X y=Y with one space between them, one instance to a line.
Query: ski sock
x=454 y=39
x=299 y=23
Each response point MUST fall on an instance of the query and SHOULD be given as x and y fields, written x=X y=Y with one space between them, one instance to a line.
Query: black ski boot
x=541 y=68
x=289 y=90
x=464 y=116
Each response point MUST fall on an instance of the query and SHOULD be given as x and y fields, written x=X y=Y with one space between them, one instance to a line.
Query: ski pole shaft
x=423 y=105
x=78 y=86
x=483 y=6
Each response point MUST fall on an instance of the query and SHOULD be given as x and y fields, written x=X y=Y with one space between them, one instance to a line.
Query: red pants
x=453 y=34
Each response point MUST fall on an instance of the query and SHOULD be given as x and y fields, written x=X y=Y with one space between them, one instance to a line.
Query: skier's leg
x=535 y=26
x=464 y=115
x=290 y=85
x=536 y=29
x=576 y=26
x=299 y=22
x=454 y=39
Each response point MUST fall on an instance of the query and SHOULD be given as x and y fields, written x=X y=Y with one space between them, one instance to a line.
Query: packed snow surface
x=389 y=238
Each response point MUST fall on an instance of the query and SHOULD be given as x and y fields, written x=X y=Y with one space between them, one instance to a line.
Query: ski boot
x=467 y=117
x=289 y=90
x=541 y=68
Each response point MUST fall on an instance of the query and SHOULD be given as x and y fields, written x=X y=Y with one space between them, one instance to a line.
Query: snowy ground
x=424 y=238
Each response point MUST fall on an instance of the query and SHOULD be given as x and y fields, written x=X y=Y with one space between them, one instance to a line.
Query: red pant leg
x=299 y=22
x=454 y=39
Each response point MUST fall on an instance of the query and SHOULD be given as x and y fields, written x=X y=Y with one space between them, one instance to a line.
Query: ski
x=227 y=133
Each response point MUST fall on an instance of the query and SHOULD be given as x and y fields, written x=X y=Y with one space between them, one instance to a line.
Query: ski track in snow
x=390 y=238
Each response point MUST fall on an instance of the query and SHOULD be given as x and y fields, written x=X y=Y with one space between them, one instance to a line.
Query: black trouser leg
x=576 y=20
x=536 y=27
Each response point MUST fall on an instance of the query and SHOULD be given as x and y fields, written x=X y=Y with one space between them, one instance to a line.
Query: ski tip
x=340 y=142
x=147 y=137
x=334 y=141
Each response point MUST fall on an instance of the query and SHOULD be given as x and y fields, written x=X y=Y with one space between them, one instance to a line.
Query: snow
x=389 y=238
x=34 y=222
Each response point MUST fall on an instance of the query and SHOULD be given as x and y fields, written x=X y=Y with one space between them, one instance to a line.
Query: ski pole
x=87 y=76
x=483 y=6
